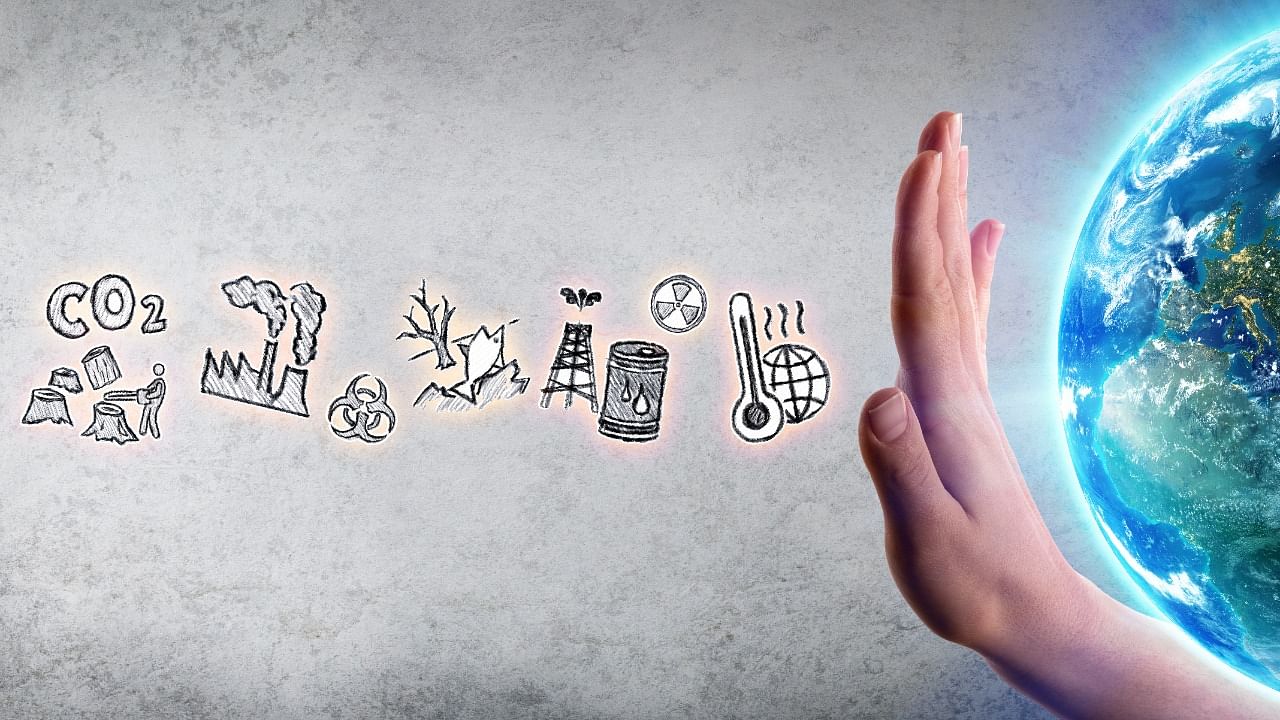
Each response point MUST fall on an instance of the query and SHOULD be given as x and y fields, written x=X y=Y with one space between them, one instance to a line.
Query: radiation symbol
x=678 y=303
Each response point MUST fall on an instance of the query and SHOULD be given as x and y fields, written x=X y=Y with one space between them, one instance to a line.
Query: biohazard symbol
x=363 y=412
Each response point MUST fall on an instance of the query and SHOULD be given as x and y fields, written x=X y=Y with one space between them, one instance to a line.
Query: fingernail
x=994 y=235
x=889 y=418
x=957 y=129
x=982 y=237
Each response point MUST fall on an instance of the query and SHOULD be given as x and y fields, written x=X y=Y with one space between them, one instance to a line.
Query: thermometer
x=757 y=415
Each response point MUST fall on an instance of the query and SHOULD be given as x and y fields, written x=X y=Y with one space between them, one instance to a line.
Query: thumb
x=898 y=459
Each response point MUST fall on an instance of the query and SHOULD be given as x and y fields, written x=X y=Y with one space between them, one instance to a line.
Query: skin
x=965 y=542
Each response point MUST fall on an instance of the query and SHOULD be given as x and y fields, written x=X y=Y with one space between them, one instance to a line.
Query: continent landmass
x=1189 y=431
x=1247 y=278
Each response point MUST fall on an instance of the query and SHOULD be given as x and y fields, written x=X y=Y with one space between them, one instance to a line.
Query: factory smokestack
x=268 y=366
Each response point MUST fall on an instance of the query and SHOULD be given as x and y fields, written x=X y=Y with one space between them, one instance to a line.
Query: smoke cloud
x=265 y=297
x=308 y=306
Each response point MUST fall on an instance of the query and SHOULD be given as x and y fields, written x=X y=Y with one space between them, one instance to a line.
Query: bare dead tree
x=437 y=331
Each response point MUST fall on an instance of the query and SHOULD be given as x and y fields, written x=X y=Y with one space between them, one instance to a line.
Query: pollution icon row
x=786 y=385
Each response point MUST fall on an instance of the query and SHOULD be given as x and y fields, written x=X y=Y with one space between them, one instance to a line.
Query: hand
x=966 y=543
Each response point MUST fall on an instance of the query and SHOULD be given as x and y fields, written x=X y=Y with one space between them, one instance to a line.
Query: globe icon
x=799 y=378
x=1169 y=359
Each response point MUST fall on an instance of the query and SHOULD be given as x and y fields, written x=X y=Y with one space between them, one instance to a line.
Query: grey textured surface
x=511 y=563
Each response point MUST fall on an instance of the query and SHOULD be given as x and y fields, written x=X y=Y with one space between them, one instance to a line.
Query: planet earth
x=1169 y=359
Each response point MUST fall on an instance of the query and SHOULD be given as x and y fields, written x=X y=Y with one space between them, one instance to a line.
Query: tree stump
x=67 y=379
x=47 y=404
x=110 y=424
x=100 y=367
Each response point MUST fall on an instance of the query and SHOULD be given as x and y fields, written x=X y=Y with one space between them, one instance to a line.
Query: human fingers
x=943 y=134
x=935 y=132
x=984 y=242
x=922 y=305
x=894 y=450
x=934 y=328
x=921 y=298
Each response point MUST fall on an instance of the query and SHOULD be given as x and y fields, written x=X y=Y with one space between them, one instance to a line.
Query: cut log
x=47 y=405
x=67 y=379
x=100 y=367
x=110 y=424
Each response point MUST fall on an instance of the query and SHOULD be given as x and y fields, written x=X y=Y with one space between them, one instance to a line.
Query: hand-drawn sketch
x=155 y=309
x=757 y=413
x=633 y=388
x=66 y=379
x=150 y=398
x=49 y=405
x=573 y=372
x=782 y=323
x=487 y=374
x=437 y=332
x=100 y=367
x=678 y=304
x=364 y=414
x=56 y=310
x=787 y=385
x=799 y=378
x=112 y=303
x=109 y=424
x=308 y=309
x=237 y=379
x=583 y=299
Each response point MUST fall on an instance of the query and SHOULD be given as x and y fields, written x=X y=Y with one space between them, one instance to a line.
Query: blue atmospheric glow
x=1146 y=338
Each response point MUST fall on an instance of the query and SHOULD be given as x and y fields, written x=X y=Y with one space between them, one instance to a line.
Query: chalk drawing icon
x=47 y=405
x=788 y=385
x=437 y=331
x=796 y=374
x=362 y=413
x=487 y=375
x=109 y=424
x=66 y=379
x=113 y=304
x=799 y=378
x=235 y=379
x=633 y=389
x=573 y=372
x=100 y=367
x=678 y=304
x=149 y=398
x=757 y=413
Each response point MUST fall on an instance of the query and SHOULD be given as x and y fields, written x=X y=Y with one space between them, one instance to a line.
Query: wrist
x=1052 y=620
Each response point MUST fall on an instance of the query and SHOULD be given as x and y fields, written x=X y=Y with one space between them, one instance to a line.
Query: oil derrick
x=573 y=372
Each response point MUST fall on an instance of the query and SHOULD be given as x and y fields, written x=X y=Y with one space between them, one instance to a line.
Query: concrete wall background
x=512 y=563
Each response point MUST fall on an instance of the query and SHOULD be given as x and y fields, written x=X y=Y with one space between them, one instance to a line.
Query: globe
x=799 y=379
x=1169 y=365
